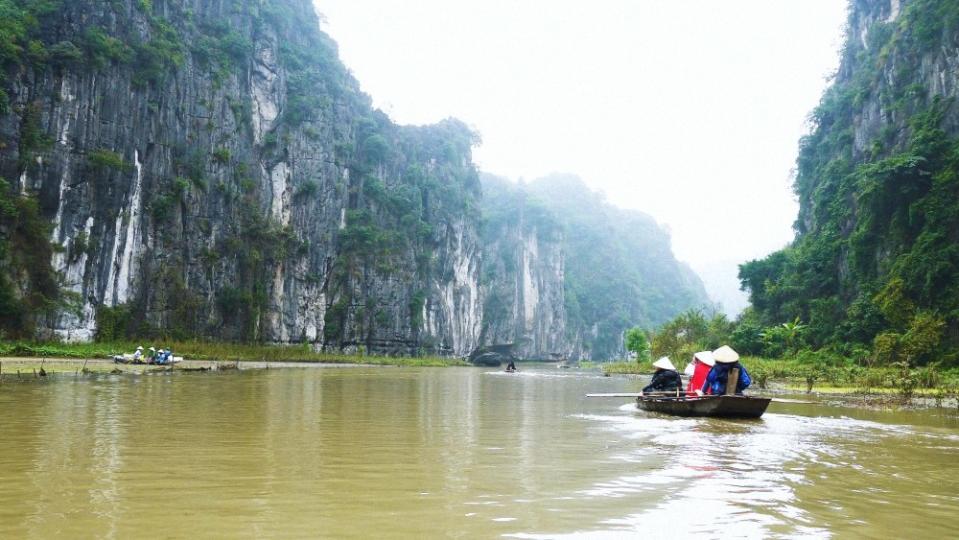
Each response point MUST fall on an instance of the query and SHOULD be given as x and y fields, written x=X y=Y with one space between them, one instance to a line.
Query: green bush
x=29 y=286
x=221 y=156
x=102 y=160
x=114 y=323
x=64 y=54
x=307 y=189
x=417 y=301
x=160 y=56
x=375 y=149
x=103 y=49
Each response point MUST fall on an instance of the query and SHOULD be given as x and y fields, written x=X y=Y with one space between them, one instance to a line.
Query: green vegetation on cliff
x=874 y=269
x=28 y=286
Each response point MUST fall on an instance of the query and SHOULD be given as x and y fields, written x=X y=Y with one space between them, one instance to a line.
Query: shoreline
x=203 y=351
x=27 y=366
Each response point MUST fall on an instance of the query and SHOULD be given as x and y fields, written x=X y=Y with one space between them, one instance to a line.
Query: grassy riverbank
x=228 y=352
x=795 y=375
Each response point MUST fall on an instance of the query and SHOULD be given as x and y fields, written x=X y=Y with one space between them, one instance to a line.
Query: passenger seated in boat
x=138 y=355
x=665 y=379
x=702 y=363
x=726 y=360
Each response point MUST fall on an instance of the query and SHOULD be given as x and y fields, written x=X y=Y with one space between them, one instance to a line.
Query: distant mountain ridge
x=607 y=268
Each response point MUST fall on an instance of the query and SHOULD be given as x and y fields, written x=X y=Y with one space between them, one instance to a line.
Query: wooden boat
x=727 y=406
x=678 y=403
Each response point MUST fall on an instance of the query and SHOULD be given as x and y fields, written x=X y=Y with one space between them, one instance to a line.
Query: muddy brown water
x=459 y=453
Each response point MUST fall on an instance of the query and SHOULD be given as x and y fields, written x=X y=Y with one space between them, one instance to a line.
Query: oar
x=673 y=394
x=636 y=394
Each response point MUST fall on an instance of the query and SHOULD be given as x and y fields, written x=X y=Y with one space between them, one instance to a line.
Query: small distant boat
x=727 y=406
x=129 y=359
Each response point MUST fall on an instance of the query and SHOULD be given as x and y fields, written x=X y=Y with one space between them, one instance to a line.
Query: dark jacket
x=718 y=376
x=664 y=380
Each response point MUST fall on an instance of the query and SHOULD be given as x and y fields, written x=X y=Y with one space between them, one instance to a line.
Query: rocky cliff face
x=524 y=276
x=875 y=267
x=212 y=169
x=898 y=58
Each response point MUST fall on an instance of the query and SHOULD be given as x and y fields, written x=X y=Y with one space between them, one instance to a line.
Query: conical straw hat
x=664 y=363
x=726 y=355
x=705 y=357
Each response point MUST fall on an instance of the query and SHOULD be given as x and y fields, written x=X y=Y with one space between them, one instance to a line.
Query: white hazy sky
x=688 y=110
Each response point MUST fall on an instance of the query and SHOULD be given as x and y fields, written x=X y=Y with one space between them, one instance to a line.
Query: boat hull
x=715 y=406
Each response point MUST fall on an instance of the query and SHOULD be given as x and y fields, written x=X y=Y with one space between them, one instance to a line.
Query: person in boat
x=511 y=367
x=726 y=360
x=151 y=355
x=138 y=355
x=164 y=357
x=698 y=370
x=665 y=378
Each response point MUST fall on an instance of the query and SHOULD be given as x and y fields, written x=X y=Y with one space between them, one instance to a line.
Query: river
x=456 y=452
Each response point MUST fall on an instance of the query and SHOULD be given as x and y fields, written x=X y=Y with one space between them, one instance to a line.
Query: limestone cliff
x=212 y=169
x=523 y=275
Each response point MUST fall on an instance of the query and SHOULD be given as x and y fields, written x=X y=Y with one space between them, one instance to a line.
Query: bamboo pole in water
x=671 y=394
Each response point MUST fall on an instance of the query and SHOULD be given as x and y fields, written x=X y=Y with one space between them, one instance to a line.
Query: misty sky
x=688 y=110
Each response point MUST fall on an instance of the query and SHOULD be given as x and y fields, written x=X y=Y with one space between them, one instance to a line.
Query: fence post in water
x=732 y=381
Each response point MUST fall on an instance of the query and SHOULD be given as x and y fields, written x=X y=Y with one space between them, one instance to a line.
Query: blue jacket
x=716 y=380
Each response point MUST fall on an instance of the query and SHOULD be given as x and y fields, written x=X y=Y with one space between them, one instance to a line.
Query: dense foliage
x=874 y=269
x=28 y=286
x=637 y=343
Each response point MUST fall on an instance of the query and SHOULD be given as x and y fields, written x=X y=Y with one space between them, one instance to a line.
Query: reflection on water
x=452 y=452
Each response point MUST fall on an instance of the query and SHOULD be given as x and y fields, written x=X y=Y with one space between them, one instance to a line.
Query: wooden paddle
x=673 y=394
